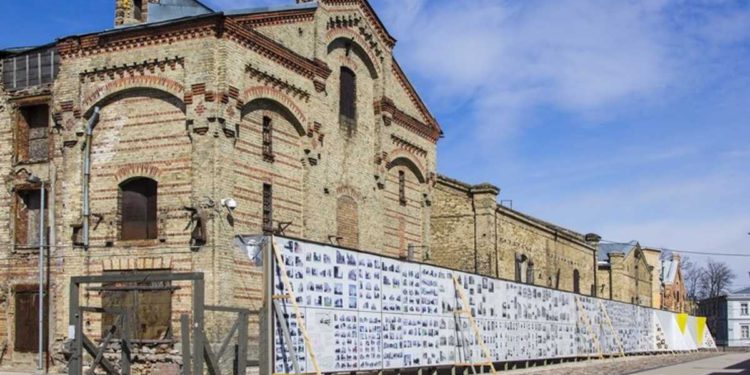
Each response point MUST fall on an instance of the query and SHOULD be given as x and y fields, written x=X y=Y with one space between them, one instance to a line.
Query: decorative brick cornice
x=366 y=8
x=137 y=37
x=275 y=17
x=141 y=68
x=428 y=131
x=415 y=99
x=353 y=23
x=408 y=146
x=215 y=25
x=265 y=46
x=271 y=80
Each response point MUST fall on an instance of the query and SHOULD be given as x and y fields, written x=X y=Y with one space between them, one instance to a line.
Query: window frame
x=402 y=188
x=150 y=225
x=348 y=98
x=744 y=309
x=22 y=141
x=744 y=332
x=267 y=208
x=267 y=139
x=19 y=198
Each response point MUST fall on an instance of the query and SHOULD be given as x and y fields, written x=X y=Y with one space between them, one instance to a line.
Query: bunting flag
x=701 y=325
x=682 y=321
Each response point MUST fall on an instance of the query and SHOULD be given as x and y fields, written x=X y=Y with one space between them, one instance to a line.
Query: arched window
x=576 y=281
x=348 y=98
x=138 y=209
x=524 y=269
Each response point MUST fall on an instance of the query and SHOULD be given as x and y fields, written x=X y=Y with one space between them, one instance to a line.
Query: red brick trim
x=364 y=5
x=416 y=100
x=271 y=80
x=271 y=93
x=411 y=162
x=334 y=34
x=427 y=131
x=159 y=83
x=137 y=170
x=275 y=18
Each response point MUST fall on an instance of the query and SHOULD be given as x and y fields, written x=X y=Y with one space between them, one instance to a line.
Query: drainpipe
x=87 y=175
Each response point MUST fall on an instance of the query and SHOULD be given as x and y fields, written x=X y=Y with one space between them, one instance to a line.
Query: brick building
x=299 y=114
x=198 y=126
x=474 y=233
x=624 y=274
x=674 y=296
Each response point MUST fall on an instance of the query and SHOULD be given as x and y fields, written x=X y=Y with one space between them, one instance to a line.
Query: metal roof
x=669 y=271
x=279 y=8
x=165 y=10
x=615 y=247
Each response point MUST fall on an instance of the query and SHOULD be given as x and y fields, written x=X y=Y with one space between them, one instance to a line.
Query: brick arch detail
x=166 y=85
x=401 y=157
x=137 y=170
x=344 y=33
x=270 y=93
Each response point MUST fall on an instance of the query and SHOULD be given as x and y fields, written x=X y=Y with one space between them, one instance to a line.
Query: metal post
x=198 y=342
x=74 y=365
x=40 y=365
x=242 y=347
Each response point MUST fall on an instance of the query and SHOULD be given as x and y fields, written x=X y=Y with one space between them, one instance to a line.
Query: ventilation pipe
x=87 y=175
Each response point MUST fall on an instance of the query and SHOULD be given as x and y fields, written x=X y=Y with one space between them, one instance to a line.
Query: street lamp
x=36 y=180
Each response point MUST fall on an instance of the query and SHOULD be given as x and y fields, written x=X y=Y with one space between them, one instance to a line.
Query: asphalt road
x=728 y=364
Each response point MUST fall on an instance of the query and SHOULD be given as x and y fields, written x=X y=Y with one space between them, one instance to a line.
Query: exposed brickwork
x=183 y=104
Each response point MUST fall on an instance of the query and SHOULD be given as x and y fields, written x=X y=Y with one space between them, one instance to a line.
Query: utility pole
x=40 y=365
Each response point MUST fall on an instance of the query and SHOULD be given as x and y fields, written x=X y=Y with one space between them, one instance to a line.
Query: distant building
x=674 y=296
x=623 y=273
x=728 y=318
x=653 y=258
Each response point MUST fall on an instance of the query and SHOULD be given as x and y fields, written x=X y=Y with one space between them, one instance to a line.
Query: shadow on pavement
x=744 y=365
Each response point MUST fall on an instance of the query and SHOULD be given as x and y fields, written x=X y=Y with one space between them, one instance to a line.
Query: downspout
x=476 y=250
x=87 y=175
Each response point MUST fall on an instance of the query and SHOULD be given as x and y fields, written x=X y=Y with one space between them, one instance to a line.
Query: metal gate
x=196 y=349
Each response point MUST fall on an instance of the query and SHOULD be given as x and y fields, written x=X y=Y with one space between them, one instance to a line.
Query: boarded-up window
x=148 y=306
x=26 y=319
x=267 y=139
x=348 y=99
x=402 y=188
x=31 y=133
x=267 y=208
x=27 y=211
x=347 y=222
x=138 y=209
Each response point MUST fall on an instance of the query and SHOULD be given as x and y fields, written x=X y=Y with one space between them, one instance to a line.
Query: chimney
x=130 y=12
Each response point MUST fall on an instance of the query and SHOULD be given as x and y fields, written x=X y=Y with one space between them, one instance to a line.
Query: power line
x=696 y=252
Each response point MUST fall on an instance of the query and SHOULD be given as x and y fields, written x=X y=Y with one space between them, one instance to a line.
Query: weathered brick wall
x=183 y=104
x=452 y=226
x=628 y=278
x=465 y=217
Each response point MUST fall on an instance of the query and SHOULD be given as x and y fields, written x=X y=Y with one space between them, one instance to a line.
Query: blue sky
x=624 y=118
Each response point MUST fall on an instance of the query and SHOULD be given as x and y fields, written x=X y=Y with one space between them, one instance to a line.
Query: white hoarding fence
x=350 y=311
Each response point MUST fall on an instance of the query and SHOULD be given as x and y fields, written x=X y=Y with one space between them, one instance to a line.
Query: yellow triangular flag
x=682 y=322
x=701 y=322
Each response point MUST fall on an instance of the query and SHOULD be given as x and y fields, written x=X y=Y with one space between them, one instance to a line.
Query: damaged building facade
x=163 y=139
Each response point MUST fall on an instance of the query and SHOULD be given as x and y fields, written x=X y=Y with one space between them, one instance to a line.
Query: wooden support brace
x=477 y=332
x=293 y=301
